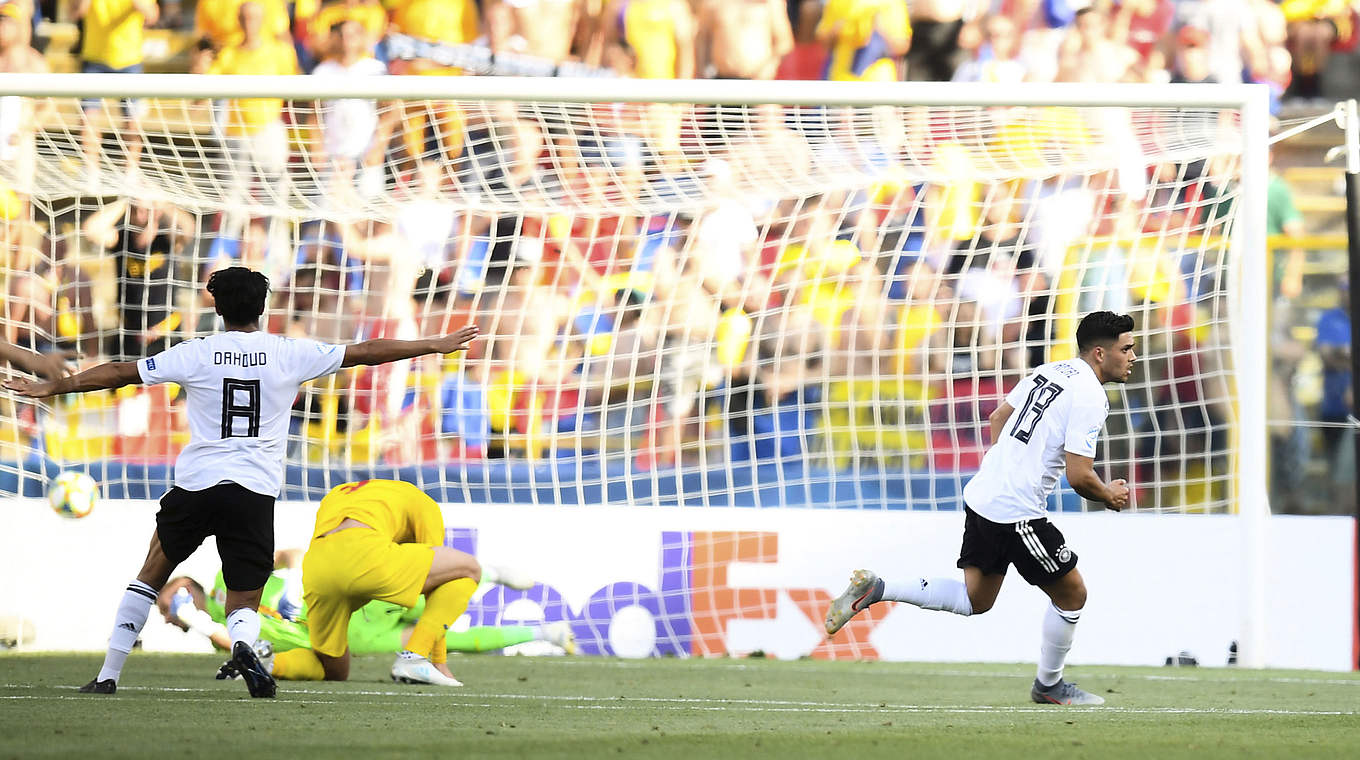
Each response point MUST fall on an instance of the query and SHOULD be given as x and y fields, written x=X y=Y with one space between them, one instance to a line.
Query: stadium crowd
x=1284 y=43
x=879 y=320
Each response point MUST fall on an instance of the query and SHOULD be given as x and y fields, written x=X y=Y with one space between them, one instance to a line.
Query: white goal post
x=1210 y=136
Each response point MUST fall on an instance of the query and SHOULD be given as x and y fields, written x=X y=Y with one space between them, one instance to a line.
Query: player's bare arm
x=383 y=350
x=105 y=376
x=997 y=419
x=48 y=366
x=1081 y=474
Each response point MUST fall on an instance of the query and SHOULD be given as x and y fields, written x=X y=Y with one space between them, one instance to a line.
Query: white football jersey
x=241 y=387
x=1060 y=407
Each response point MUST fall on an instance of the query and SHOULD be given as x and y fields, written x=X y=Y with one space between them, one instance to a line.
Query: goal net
x=775 y=305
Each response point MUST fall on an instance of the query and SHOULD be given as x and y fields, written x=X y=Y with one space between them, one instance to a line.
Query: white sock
x=243 y=624
x=1059 y=627
x=127 y=626
x=944 y=594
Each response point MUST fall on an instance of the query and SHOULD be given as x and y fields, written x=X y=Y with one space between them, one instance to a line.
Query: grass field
x=169 y=706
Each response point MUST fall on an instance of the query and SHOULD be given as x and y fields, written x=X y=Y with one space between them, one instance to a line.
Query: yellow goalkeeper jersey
x=395 y=509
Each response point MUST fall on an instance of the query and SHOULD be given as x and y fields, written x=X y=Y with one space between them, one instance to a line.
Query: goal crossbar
x=594 y=90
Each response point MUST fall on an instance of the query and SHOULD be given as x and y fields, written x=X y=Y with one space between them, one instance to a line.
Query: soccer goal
x=718 y=313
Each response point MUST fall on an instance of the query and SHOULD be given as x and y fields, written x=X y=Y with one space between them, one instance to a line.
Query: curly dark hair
x=239 y=294
x=1101 y=328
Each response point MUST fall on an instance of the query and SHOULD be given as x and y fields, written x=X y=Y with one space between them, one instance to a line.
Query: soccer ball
x=73 y=494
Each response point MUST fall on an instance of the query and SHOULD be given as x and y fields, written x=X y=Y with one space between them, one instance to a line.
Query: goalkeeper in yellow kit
x=380 y=539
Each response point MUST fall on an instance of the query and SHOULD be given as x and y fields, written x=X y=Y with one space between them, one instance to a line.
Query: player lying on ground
x=382 y=539
x=376 y=628
x=1061 y=408
x=241 y=384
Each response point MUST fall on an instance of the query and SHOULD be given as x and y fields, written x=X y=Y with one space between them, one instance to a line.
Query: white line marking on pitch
x=891 y=671
x=718 y=705
x=84 y=698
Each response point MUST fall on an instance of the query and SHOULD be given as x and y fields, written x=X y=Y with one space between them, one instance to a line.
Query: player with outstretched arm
x=1050 y=420
x=241 y=384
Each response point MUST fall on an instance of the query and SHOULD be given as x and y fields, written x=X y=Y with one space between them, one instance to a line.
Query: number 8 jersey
x=1060 y=407
x=241 y=387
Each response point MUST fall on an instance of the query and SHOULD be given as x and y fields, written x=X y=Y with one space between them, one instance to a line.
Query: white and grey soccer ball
x=73 y=494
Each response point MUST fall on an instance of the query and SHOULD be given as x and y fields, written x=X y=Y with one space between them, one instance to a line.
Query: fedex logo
x=690 y=610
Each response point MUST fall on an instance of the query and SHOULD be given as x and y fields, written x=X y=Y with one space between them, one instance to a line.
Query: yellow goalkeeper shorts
x=347 y=569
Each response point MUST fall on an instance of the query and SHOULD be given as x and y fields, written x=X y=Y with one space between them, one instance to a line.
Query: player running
x=1062 y=407
x=376 y=628
x=383 y=539
x=241 y=384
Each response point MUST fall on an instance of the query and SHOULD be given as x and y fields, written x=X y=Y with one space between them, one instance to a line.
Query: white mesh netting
x=708 y=305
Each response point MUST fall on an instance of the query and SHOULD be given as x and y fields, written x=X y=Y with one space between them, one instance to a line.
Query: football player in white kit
x=241 y=384
x=1049 y=421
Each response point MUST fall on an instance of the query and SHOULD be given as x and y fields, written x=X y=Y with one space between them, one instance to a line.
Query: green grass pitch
x=513 y=707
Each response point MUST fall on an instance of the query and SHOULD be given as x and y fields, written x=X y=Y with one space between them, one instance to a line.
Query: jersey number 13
x=1040 y=396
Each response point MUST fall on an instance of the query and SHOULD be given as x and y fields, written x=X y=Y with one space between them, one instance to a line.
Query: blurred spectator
x=16 y=54
x=935 y=52
x=313 y=305
x=964 y=362
x=919 y=318
x=773 y=409
x=653 y=39
x=524 y=320
x=1338 y=398
x=808 y=57
x=433 y=130
x=743 y=39
x=865 y=39
x=219 y=21
x=1282 y=215
x=769 y=150
x=542 y=28
x=1313 y=28
x=24 y=11
x=650 y=39
x=354 y=132
x=257 y=140
x=369 y=13
x=1043 y=26
x=502 y=151
x=385 y=299
x=863 y=333
x=998 y=272
x=431 y=224
x=30 y=285
x=1101 y=59
x=998 y=59
x=1228 y=34
x=724 y=251
x=111 y=43
x=970 y=345
x=1192 y=64
x=19 y=120
x=145 y=240
x=248 y=246
x=1144 y=25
